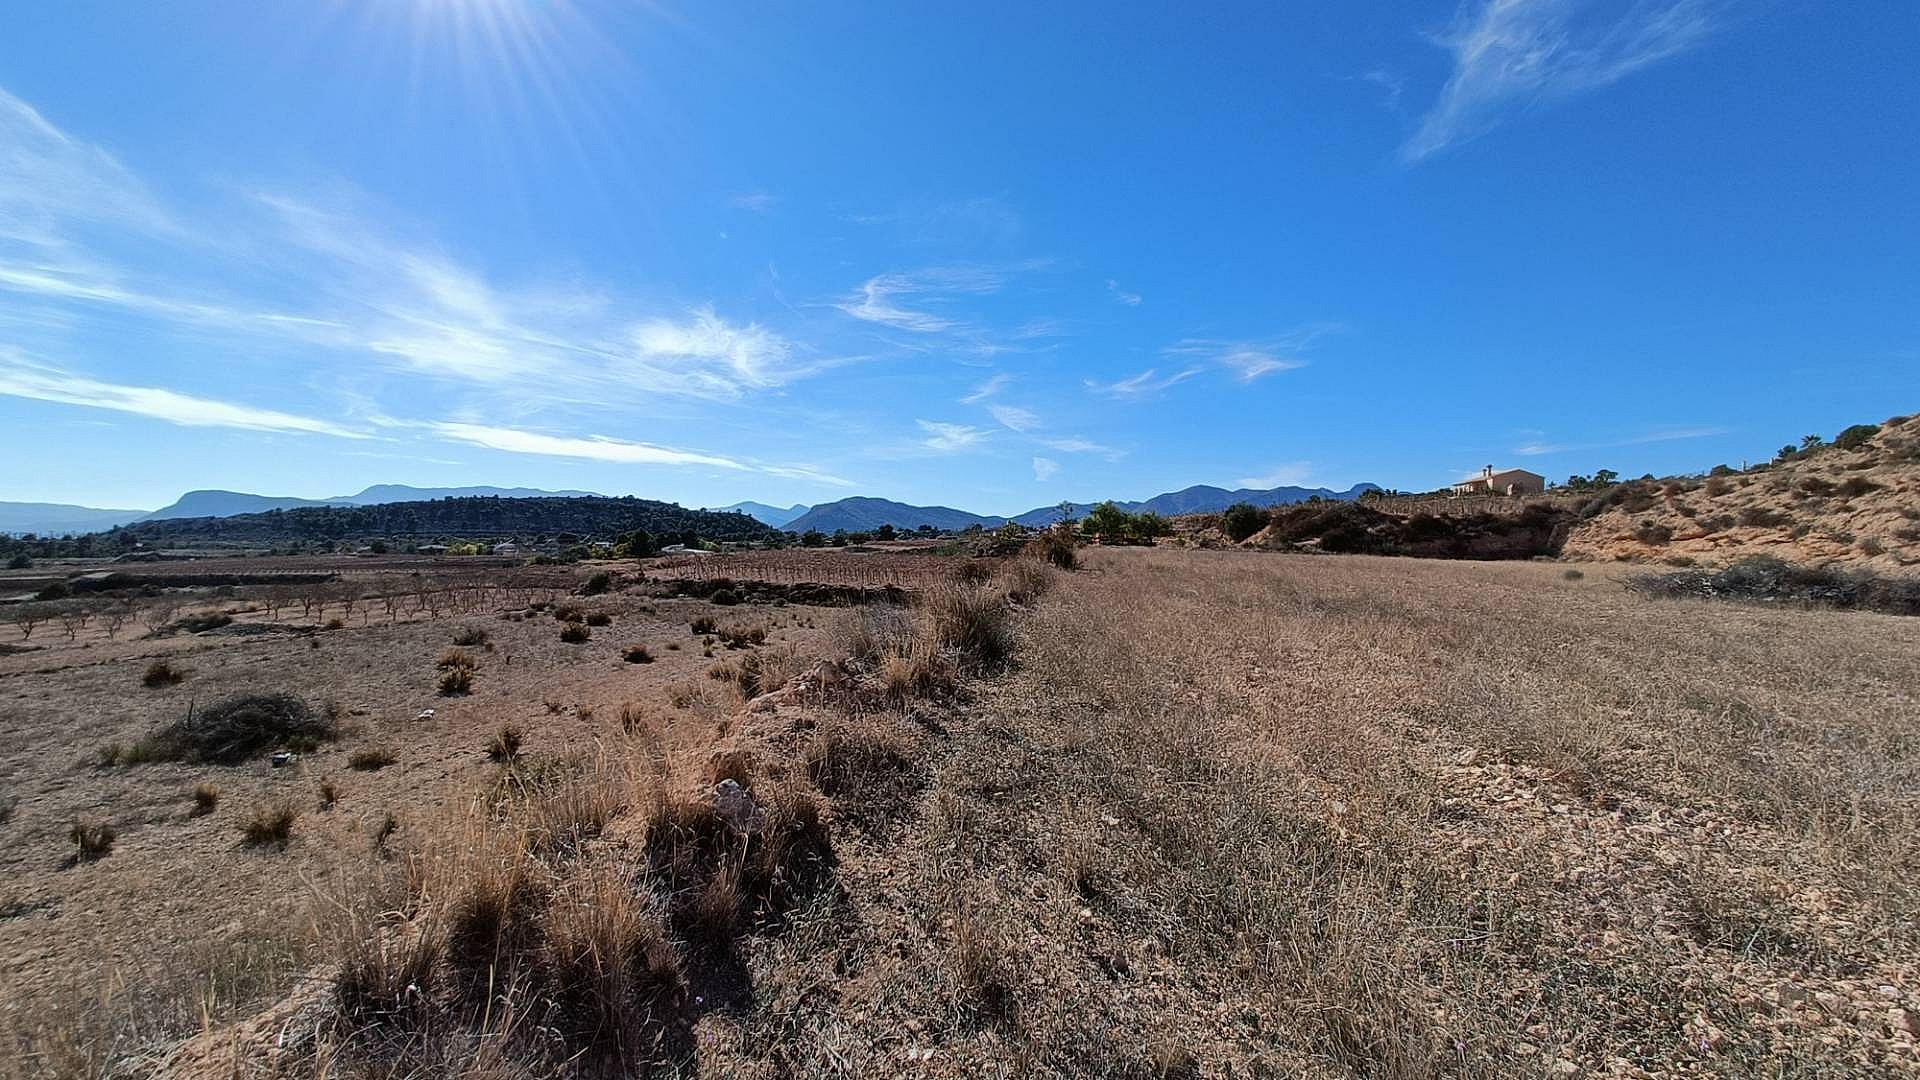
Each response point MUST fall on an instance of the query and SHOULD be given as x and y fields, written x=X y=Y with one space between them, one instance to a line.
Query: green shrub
x=598 y=582
x=1242 y=520
x=1856 y=436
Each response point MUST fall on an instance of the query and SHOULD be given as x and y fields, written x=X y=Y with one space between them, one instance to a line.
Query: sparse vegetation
x=371 y=758
x=1769 y=580
x=1242 y=520
x=575 y=634
x=161 y=673
x=206 y=798
x=270 y=826
x=505 y=745
x=599 y=618
x=91 y=839
x=637 y=654
x=235 y=728
x=470 y=636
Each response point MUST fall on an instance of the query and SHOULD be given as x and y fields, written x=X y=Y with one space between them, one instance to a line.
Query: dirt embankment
x=1856 y=507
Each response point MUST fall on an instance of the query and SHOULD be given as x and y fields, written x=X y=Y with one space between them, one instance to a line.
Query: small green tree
x=1242 y=520
x=1856 y=436
x=885 y=532
x=1106 y=521
x=813 y=538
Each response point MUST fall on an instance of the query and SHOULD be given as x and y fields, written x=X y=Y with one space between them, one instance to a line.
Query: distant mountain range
x=54 y=519
x=761 y=512
x=863 y=514
x=59 y=519
x=857 y=514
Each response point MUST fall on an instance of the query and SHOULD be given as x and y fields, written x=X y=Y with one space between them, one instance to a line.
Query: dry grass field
x=1178 y=813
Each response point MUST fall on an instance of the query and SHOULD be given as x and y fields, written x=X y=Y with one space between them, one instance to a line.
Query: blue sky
x=987 y=255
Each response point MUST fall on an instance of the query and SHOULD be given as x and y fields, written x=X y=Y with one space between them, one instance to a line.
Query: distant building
x=1504 y=482
x=508 y=548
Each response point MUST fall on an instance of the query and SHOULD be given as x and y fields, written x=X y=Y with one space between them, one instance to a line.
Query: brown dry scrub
x=1457 y=819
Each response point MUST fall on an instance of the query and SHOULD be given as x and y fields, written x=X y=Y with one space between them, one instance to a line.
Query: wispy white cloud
x=49 y=179
x=757 y=201
x=1145 y=384
x=46 y=384
x=1131 y=299
x=1291 y=474
x=1044 y=469
x=1076 y=445
x=1392 y=86
x=882 y=299
x=617 y=451
x=1538 y=446
x=1511 y=55
x=1015 y=417
x=987 y=389
x=948 y=438
x=1249 y=360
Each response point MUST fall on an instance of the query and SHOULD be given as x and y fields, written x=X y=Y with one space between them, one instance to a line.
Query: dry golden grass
x=1451 y=816
x=1196 y=814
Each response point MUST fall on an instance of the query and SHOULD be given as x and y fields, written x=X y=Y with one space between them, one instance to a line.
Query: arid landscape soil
x=1172 y=813
x=1856 y=507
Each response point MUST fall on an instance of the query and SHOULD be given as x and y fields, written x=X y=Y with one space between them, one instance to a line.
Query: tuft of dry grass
x=271 y=825
x=504 y=747
x=973 y=621
x=456 y=681
x=91 y=839
x=329 y=792
x=637 y=654
x=206 y=797
x=371 y=758
x=161 y=673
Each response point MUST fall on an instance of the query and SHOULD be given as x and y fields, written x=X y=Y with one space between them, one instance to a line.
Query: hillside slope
x=1857 y=508
x=470 y=518
x=862 y=513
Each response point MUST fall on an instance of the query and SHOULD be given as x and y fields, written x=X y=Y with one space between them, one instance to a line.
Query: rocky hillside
x=1854 y=503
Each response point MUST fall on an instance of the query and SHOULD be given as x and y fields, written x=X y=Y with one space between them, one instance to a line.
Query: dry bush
x=637 y=654
x=739 y=636
x=609 y=961
x=562 y=818
x=371 y=758
x=238 y=727
x=271 y=825
x=91 y=839
x=504 y=747
x=456 y=681
x=599 y=618
x=470 y=636
x=871 y=631
x=456 y=658
x=161 y=673
x=206 y=797
x=1056 y=546
x=329 y=792
x=923 y=671
x=1026 y=580
x=493 y=892
x=702 y=624
x=575 y=634
x=972 y=621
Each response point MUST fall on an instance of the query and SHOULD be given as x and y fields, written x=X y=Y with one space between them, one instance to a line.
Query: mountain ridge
x=862 y=513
